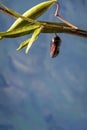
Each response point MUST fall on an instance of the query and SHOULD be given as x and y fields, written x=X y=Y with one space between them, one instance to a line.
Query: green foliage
x=27 y=29
x=30 y=15
x=27 y=24
x=33 y=38
x=30 y=41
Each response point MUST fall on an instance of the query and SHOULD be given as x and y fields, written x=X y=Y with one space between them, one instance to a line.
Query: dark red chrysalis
x=55 y=46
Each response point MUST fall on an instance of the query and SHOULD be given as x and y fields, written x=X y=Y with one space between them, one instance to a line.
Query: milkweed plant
x=27 y=24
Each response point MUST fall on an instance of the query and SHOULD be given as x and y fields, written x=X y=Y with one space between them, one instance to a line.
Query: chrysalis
x=55 y=46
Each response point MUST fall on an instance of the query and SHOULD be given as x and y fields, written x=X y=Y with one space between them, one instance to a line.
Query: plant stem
x=62 y=19
x=53 y=27
x=6 y=12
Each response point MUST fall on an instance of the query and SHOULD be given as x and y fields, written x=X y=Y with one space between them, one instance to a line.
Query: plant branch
x=62 y=19
x=54 y=27
x=6 y=12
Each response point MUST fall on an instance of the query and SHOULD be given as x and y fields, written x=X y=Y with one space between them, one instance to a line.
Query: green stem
x=48 y=27
x=51 y=27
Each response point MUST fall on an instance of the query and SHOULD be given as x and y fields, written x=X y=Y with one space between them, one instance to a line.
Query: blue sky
x=36 y=91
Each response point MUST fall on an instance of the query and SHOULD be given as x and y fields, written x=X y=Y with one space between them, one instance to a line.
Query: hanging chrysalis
x=55 y=46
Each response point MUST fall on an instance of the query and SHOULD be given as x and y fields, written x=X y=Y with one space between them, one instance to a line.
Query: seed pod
x=32 y=13
x=55 y=46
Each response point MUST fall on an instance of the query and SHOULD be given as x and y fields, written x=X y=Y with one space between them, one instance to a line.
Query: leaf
x=23 y=44
x=33 y=38
x=30 y=15
x=20 y=31
x=15 y=14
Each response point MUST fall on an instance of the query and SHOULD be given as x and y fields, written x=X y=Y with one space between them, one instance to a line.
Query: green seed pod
x=32 y=13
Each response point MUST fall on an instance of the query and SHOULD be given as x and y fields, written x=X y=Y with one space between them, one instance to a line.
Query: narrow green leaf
x=23 y=44
x=33 y=38
x=20 y=31
x=32 y=13
x=17 y=15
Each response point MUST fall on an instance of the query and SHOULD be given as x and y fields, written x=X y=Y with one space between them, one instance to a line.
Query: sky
x=38 y=92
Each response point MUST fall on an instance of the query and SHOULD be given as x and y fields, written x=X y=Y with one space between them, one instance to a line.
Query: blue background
x=36 y=91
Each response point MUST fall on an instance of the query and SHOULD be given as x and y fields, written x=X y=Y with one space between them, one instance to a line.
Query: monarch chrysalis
x=55 y=46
